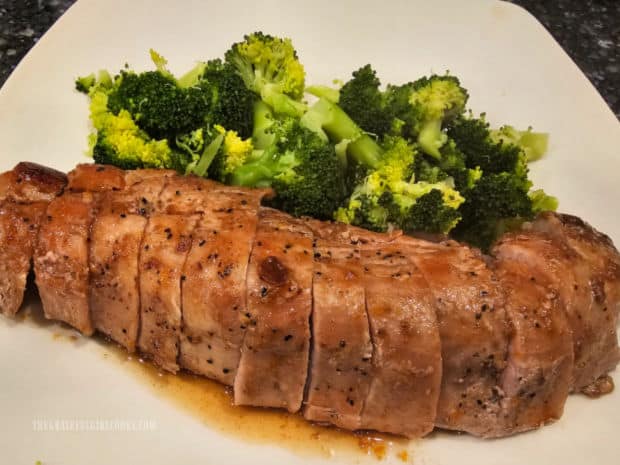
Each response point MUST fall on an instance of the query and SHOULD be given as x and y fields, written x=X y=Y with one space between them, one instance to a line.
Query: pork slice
x=61 y=260
x=116 y=237
x=598 y=262
x=114 y=292
x=339 y=378
x=274 y=356
x=406 y=364
x=165 y=246
x=29 y=182
x=184 y=195
x=19 y=226
x=568 y=273
x=91 y=177
x=537 y=378
x=214 y=291
x=474 y=335
x=138 y=197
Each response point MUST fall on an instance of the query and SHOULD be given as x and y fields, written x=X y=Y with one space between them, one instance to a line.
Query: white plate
x=514 y=71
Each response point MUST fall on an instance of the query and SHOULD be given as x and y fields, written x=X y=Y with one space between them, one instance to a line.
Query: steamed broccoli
x=120 y=142
x=494 y=199
x=391 y=196
x=417 y=110
x=329 y=120
x=533 y=144
x=269 y=67
x=474 y=140
x=302 y=168
x=232 y=103
x=439 y=99
x=501 y=196
x=365 y=103
x=158 y=104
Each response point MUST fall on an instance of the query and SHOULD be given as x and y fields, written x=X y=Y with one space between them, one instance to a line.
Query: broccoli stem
x=281 y=103
x=340 y=127
x=207 y=156
x=253 y=174
x=431 y=138
x=192 y=77
x=263 y=120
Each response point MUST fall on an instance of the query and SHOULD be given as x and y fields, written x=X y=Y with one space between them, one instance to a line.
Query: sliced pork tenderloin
x=165 y=246
x=19 y=227
x=599 y=263
x=274 y=356
x=116 y=241
x=25 y=192
x=569 y=274
x=61 y=260
x=339 y=374
x=214 y=291
x=406 y=366
x=474 y=335
x=29 y=182
x=536 y=381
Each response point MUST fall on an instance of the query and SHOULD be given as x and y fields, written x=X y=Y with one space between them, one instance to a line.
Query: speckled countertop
x=589 y=31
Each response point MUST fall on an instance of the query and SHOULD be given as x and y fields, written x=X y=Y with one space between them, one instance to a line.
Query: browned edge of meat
x=19 y=226
x=275 y=353
x=30 y=182
x=90 y=177
x=540 y=358
x=600 y=264
x=341 y=348
x=474 y=335
x=24 y=194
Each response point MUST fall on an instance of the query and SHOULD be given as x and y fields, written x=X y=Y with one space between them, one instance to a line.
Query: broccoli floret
x=407 y=118
x=364 y=102
x=232 y=103
x=417 y=110
x=233 y=153
x=390 y=196
x=533 y=144
x=542 y=202
x=158 y=104
x=84 y=83
x=302 y=168
x=439 y=99
x=494 y=199
x=269 y=67
x=119 y=141
x=473 y=138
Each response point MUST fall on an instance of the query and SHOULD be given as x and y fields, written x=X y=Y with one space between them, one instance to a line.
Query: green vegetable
x=402 y=156
x=533 y=144
x=302 y=168
x=364 y=102
x=390 y=196
x=269 y=66
x=158 y=104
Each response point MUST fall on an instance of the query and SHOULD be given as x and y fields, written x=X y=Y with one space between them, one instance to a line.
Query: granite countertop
x=589 y=31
